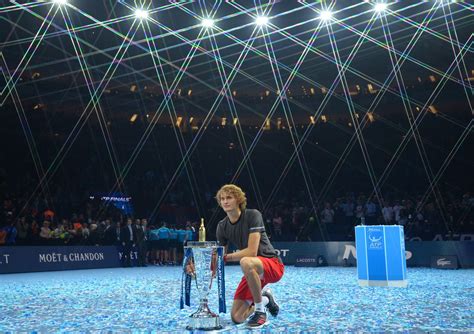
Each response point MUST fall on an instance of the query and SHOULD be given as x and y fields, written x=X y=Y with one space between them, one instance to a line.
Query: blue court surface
x=311 y=299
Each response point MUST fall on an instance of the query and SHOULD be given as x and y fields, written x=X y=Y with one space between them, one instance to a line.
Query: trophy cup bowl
x=205 y=260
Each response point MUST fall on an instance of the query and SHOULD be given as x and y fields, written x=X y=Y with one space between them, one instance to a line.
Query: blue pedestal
x=381 y=256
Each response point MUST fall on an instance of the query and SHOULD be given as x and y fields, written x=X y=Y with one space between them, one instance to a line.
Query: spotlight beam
x=226 y=90
x=282 y=97
x=467 y=131
x=8 y=9
x=181 y=71
x=413 y=131
x=25 y=125
x=355 y=121
x=352 y=70
x=23 y=64
x=212 y=110
x=431 y=69
x=461 y=66
x=317 y=84
x=238 y=127
x=317 y=114
x=61 y=154
x=450 y=78
x=399 y=53
x=206 y=121
x=310 y=81
x=467 y=45
x=375 y=102
x=406 y=138
x=161 y=75
x=95 y=106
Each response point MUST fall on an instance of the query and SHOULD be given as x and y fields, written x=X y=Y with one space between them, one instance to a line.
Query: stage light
x=432 y=109
x=268 y=125
x=380 y=7
x=207 y=23
x=370 y=115
x=261 y=20
x=141 y=14
x=325 y=15
x=60 y=2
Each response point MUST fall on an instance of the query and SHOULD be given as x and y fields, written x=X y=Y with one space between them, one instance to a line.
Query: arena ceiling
x=56 y=50
x=74 y=53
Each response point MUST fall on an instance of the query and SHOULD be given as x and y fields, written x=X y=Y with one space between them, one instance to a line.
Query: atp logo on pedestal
x=375 y=236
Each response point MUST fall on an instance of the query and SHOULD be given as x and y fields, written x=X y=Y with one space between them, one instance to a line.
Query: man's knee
x=237 y=318
x=240 y=311
x=247 y=265
x=237 y=313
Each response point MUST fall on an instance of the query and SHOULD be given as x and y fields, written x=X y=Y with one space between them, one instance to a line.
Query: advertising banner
x=21 y=259
x=340 y=253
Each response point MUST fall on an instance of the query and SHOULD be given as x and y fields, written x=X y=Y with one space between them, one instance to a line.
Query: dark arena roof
x=297 y=100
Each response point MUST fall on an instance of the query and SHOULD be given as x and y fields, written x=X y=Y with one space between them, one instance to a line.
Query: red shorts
x=272 y=272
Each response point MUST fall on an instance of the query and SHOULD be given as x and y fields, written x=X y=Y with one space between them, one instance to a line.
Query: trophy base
x=204 y=322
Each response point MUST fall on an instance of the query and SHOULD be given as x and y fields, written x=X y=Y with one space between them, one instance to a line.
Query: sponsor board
x=444 y=262
x=445 y=237
x=306 y=262
x=21 y=259
x=419 y=253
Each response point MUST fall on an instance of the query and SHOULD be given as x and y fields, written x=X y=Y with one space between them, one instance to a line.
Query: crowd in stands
x=336 y=219
x=287 y=220
x=156 y=244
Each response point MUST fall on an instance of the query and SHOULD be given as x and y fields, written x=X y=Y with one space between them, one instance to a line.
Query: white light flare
x=380 y=7
x=141 y=14
x=261 y=21
x=207 y=23
x=325 y=15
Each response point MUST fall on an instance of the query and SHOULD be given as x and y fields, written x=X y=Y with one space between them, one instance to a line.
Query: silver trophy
x=205 y=262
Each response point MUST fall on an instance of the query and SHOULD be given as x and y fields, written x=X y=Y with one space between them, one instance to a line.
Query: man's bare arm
x=250 y=251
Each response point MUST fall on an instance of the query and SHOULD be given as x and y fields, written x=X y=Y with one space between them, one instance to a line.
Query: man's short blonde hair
x=234 y=191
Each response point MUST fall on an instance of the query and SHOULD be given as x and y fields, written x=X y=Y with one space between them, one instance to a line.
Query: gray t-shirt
x=238 y=234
